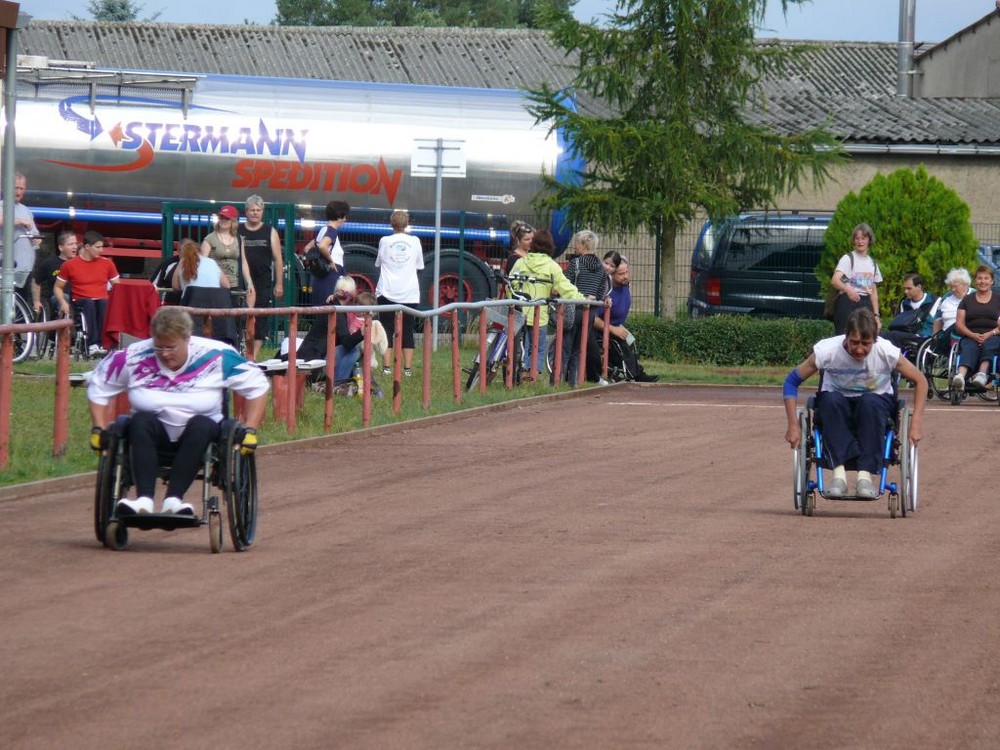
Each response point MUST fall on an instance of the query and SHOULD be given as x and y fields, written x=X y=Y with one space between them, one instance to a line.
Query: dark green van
x=761 y=264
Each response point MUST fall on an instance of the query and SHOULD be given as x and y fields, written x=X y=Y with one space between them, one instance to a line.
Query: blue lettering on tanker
x=186 y=137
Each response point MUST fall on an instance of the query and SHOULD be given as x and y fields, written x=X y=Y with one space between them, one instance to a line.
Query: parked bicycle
x=497 y=336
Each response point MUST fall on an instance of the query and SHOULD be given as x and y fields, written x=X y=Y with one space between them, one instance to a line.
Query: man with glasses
x=622 y=341
x=91 y=276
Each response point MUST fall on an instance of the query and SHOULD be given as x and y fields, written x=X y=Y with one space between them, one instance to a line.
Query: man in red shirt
x=90 y=276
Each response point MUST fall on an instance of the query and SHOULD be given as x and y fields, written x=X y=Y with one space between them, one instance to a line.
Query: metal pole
x=438 y=169
x=9 y=99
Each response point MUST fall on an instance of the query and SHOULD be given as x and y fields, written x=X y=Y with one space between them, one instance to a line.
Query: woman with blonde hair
x=225 y=247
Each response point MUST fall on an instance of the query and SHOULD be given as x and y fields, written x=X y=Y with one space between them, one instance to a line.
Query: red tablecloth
x=131 y=305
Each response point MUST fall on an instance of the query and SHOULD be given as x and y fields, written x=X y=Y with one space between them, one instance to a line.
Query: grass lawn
x=33 y=408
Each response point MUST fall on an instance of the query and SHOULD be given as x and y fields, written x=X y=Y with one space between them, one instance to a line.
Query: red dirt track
x=619 y=569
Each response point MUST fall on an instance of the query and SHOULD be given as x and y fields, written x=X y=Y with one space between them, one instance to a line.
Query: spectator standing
x=856 y=278
x=224 y=246
x=400 y=259
x=262 y=247
x=26 y=239
x=521 y=234
x=328 y=242
x=538 y=275
x=91 y=276
x=586 y=272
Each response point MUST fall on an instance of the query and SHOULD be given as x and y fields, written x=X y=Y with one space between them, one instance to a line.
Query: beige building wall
x=965 y=66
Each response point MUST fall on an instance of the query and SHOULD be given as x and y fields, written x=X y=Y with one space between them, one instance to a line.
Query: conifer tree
x=676 y=80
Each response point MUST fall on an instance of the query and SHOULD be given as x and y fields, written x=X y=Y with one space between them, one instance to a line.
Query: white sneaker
x=141 y=506
x=176 y=507
x=96 y=350
x=958 y=382
x=980 y=379
x=602 y=381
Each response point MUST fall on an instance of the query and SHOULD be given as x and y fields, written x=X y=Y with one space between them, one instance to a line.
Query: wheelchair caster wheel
x=215 y=531
x=116 y=536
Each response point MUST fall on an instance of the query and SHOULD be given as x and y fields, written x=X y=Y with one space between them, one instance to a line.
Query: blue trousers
x=971 y=354
x=150 y=447
x=854 y=428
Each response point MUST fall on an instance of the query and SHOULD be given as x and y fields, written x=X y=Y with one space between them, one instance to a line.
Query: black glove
x=98 y=439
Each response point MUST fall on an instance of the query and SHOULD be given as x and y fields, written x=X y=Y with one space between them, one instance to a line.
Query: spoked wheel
x=24 y=343
x=215 y=531
x=800 y=465
x=240 y=492
x=908 y=466
x=934 y=366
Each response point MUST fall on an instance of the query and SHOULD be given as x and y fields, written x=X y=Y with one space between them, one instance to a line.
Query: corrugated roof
x=847 y=86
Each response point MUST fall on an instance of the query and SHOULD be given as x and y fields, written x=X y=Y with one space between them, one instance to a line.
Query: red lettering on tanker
x=326 y=177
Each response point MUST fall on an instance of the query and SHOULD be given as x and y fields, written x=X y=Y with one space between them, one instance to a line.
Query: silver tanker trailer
x=111 y=157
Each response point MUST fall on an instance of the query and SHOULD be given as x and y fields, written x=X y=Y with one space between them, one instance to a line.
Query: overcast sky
x=854 y=20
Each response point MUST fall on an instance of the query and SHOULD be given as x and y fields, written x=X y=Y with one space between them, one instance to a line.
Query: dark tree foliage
x=677 y=78
x=117 y=11
x=480 y=13
x=920 y=225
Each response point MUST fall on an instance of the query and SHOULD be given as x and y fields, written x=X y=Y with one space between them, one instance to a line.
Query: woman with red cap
x=225 y=248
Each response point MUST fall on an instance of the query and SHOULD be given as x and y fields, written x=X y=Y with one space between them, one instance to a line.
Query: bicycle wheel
x=43 y=340
x=24 y=343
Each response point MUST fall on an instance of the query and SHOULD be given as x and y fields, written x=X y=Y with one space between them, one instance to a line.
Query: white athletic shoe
x=980 y=379
x=141 y=505
x=958 y=383
x=175 y=507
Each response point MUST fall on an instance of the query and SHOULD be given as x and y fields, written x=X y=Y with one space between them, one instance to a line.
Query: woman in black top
x=977 y=324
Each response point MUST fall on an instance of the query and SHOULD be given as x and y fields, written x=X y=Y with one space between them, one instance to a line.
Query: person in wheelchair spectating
x=855 y=400
x=914 y=319
x=175 y=383
x=978 y=323
x=620 y=298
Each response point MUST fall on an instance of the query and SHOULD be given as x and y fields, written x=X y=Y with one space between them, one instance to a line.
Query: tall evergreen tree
x=480 y=13
x=677 y=78
x=117 y=11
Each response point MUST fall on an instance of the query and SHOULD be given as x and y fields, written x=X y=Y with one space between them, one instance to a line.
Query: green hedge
x=728 y=340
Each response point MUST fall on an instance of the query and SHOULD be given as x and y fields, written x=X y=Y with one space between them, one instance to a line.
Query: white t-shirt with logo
x=845 y=374
x=400 y=257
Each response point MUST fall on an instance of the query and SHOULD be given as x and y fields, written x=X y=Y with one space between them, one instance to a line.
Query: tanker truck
x=118 y=152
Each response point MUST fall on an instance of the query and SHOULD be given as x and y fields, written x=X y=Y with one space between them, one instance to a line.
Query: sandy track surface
x=621 y=569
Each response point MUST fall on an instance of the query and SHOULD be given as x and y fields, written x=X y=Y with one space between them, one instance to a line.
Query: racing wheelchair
x=809 y=462
x=225 y=468
x=938 y=359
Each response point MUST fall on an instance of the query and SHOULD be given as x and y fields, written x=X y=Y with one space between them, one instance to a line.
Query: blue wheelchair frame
x=809 y=458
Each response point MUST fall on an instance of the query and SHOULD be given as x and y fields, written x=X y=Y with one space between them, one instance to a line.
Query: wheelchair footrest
x=166 y=522
x=853 y=497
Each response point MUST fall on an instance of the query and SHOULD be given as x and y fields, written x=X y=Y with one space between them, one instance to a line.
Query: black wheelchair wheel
x=934 y=366
x=240 y=491
x=116 y=536
x=109 y=479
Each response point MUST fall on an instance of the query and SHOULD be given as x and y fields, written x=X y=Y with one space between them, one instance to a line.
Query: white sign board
x=424 y=159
